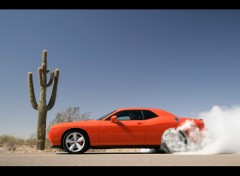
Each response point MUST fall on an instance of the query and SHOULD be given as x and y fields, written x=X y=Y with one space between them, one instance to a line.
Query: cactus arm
x=51 y=79
x=31 y=92
x=54 y=91
x=40 y=77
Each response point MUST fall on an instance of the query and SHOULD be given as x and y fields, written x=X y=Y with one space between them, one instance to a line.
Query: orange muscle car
x=124 y=128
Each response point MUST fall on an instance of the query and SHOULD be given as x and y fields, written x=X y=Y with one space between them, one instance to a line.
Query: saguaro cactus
x=42 y=107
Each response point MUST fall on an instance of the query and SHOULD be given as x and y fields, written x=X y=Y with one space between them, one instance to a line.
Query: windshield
x=100 y=118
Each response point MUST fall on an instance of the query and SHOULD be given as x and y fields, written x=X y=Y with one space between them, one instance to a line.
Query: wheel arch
x=74 y=129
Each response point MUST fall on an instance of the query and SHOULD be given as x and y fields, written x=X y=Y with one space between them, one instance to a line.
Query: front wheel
x=174 y=140
x=75 y=142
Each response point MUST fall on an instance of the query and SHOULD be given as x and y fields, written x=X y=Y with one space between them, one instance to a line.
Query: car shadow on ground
x=105 y=153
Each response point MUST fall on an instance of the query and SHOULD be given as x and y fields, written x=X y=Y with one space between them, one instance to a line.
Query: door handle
x=139 y=123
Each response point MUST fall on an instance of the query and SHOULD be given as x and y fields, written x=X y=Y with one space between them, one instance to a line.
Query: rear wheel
x=174 y=140
x=75 y=142
x=158 y=150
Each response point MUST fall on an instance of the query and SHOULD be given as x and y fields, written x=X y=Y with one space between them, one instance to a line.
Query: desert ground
x=29 y=156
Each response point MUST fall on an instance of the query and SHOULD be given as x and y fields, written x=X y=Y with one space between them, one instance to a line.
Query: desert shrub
x=5 y=139
x=70 y=114
x=31 y=141
x=11 y=142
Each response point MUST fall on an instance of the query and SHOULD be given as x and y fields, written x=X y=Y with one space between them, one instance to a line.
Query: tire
x=174 y=140
x=157 y=150
x=75 y=142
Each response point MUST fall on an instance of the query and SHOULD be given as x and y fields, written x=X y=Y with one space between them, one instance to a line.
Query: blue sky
x=183 y=61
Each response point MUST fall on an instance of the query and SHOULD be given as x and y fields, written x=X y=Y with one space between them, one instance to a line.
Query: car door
x=129 y=129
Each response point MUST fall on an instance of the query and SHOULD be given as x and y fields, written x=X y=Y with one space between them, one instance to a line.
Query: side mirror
x=114 y=119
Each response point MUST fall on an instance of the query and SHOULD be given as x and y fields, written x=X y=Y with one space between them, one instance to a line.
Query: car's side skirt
x=125 y=146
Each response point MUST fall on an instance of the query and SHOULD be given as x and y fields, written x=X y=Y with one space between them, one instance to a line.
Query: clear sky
x=183 y=61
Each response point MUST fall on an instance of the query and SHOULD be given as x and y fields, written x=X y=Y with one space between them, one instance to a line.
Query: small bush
x=11 y=142
x=32 y=141
x=70 y=114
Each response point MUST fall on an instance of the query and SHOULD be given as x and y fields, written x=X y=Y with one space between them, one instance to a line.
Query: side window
x=148 y=114
x=123 y=115
x=129 y=115
x=135 y=115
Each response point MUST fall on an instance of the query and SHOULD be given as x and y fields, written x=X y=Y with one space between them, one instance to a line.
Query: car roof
x=156 y=110
x=137 y=108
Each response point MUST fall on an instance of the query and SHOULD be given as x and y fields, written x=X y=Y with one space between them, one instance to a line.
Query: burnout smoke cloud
x=222 y=133
x=223 y=129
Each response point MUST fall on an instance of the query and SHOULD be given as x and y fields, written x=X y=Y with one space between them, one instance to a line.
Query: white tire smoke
x=221 y=133
x=223 y=129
